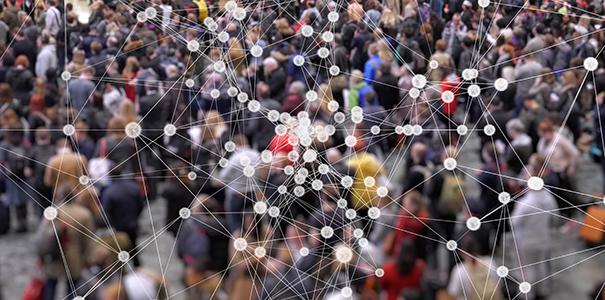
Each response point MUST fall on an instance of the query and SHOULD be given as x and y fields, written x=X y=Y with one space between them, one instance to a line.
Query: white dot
x=350 y=141
x=350 y=214
x=288 y=170
x=230 y=146
x=603 y=200
x=185 y=213
x=69 y=130
x=133 y=130
x=591 y=64
x=248 y=171
x=535 y=183
x=193 y=46
x=375 y=129
x=274 y=211
x=382 y=191
x=299 y=191
x=504 y=197
x=419 y=81
x=50 y=213
x=169 y=130
x=462 y=129
x=474 y=90
x=417 y=129
x=282 y=189
x=239 y=13
x=374 y=212
x=398 y=129
x=192 y=176
x=369 y=181
x=151 y=13
x=123 y=256
x=306 y=30
x=450 y=163
x=447 y=97
x=342 y=203
x=414 y=93
x=346 y=292
x=433 y=64
x=317 y=185
x=451 y=245
x=215 y=93
x=323 y=52
x=254 y=106
x=230 y=6
x=363 y=242
x=141 y=17
x=189 y=83
x=298 y=60
x=84 y=180
x=524 y=287
x=333 y=17
x=358 y=233
x=339 y=117
x=334 y=70
x=78 y=298
x=407 y=129
x=292 y=155
x=242 y=97
x=311 y=96
x=232 y=91
x=357 y=118
x=260 y=252
x=256 y=51
x=379 y=272
x=219 y=66
x=327 y=36
x=501 y=84
x=484 y=3
x=502 y=271
x=489 y=130
x=343 y=254
x=304 y=251
x=333 y=106
x=223 y=36
x=323 y=169
x=327 y=232
x=473 y=223
x=469 y=74
x=66 y=75
x=223 y=162
x=240 y=244
x=346 y=181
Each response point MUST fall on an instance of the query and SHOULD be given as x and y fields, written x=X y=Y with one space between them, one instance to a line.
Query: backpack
x=49 y=240
x=451 y=198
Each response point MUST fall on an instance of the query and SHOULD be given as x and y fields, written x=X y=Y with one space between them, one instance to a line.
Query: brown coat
x=65 y=168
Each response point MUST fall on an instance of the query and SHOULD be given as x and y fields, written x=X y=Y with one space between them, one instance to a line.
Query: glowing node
x=469 y=74
x=50 y=213
x=78 y=298
x=317 y=185
x=462 y=129
x=299 y=191
x=374 y=212
x=141 y=17
x=215 y=93
x=447 y=97
x=417 y=129
x=483 y=3
x=323 y=52
x=450 y=163
x=229 y=146
x=419 y=81
x=223 y=162
x=489 y=130
x=350 y=141
x=369 y=181
x=256 y=51
x=346 y=292
x=333 y=17
x=350 y=214
x=346 y=181
x=502 y=271
x=311 y=96
x=323 y=169
x=304 y=251
x=407 y=129
x=591 y=64
x=535 y=183
x=293 y=155
x=382 y=191
x=327 y=36
x=375 y=129
x=84 y=180
x=474 y=90
x=342 y=203
x=433 y=64
x=274 y=211
x=185 y=213
x=451 y=245
x=151 y=13
x=399 y=129
x=223 y=36
x=189 y=83
x=343 y=254
x=333 y=106
x=249 y=171
x=363 y=242
x=339 y=117
x=260 y=252
x=282 y=189
x=133 y=130
x=298 y=60
x=230 y=6
x=501 y=84
x=524 y=287
x=254 y=106
x=239 y=13
x=327 y=232
x=66 y=75
x=288 y=170
x=306 y=30
x=379 y=272
x=69 y=130
x=334 y=70
x=504 y=197
x=473 y=223
x=414 y=93
x=169 y=130
x=123 y=256
x=232 y=91
x=242 y=97
x=193 y=46
x=219 y=66
x=358 y=233
x=240 y=244
x=192 y=176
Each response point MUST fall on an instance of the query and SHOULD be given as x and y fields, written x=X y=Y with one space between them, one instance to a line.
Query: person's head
x=270 y=64
x=372 y=49
x=297 y=87
x=514 y=128
x=406 y=258
x=456 y=20
x=14 y=133
x=441 y=45
x=412 y=202
x=172 y=71
x=116 y=126
x=22 y=61
x=535 y=164
x=546 y=129
x=418 y=152
x=151 y=86
x=6 y=93
x=96 y=47
x=263 y=91
x=42 y=136
x=356 y=77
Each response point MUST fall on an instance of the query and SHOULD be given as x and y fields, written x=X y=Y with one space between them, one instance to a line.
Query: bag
x=592 y=230
x=451 y=199
x=49 y=240
x=35 y=288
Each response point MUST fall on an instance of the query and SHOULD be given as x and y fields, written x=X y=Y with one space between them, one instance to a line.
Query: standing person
x=40 y=154
x=402 y=277
x=47 y=57
x=65 y=167
x=21 y=79
x=81 y=89
x=13 y=156
x=532 y=226
x=64 y=244
x=54 y=19
x=123 y=203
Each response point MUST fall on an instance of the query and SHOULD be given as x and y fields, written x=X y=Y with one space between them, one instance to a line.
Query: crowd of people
x=303 y=149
